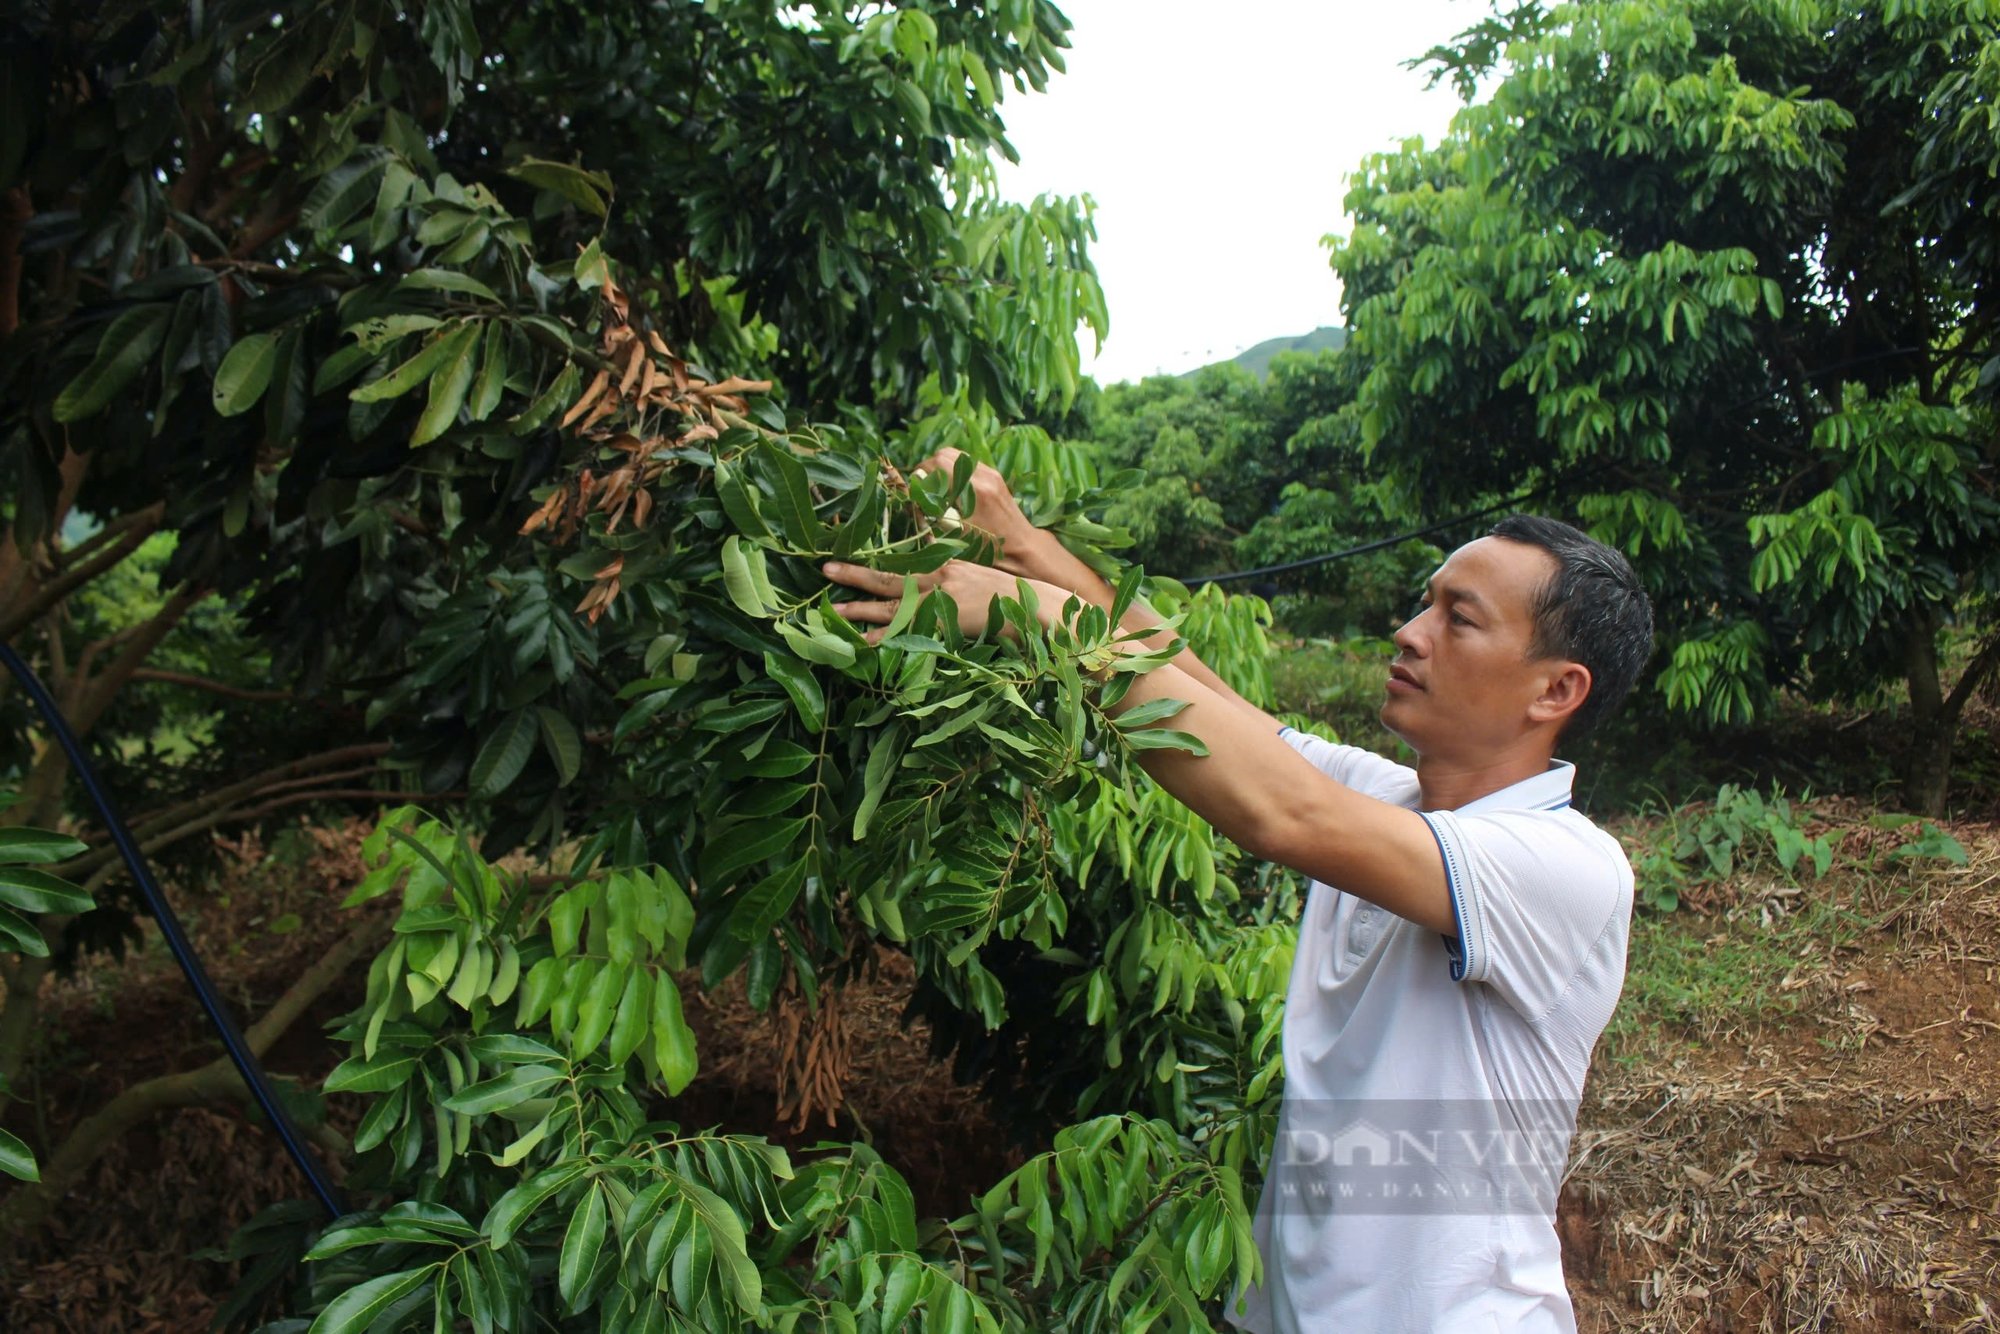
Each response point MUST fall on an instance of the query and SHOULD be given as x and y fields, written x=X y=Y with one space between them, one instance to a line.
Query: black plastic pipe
x=170 y=929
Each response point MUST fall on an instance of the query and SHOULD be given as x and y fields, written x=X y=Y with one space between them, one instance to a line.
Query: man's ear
x=1563 y=693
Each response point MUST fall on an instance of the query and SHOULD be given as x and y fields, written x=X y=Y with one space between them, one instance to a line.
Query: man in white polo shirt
x=1463 y=943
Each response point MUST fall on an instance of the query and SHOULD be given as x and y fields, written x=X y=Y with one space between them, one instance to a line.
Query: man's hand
x=971 y=586
x=1036 y=555
x=1025 y=550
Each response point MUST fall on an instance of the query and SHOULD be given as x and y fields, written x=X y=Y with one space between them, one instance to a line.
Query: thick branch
x=110 y=530
x=110 y=863
x=148 y=826
x=97 y=697
x=41 y=794
x=55 y=590
x=214 y=687
x=31 y=1203
x=17 y=1021
x=1982 y=663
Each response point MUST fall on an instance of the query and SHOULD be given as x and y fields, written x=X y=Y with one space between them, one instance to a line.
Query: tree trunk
x=1934 y=715
x=1927 y=775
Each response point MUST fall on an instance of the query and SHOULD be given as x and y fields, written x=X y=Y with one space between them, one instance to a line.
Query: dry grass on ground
x=1826 y=1155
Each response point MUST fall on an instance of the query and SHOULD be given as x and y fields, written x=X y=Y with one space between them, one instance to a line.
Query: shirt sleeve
x=1533 y=896
x=1350 y=766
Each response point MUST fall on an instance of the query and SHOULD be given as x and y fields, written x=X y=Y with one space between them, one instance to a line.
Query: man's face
x=1462 y=683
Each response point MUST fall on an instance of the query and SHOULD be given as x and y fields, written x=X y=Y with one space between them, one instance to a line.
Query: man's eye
x=1458 y=618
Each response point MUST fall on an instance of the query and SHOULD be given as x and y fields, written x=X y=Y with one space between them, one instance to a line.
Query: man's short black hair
x=1591 y=610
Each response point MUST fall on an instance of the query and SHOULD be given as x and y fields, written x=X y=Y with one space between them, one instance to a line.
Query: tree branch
x=31 y=1203
x=97 y=696
x=41 y=794
x=214 y=687
x=60 y=587
x=106 y=533
x=149 y=825
x=1982 y=663
x=112 y=864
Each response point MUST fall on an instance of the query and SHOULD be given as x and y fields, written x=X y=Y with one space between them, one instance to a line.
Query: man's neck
x=1451 y=781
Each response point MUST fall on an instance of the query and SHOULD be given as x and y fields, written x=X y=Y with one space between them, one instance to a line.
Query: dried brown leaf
x=598 y=385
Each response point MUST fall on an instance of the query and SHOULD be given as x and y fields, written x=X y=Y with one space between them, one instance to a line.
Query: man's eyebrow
x=1459 y=593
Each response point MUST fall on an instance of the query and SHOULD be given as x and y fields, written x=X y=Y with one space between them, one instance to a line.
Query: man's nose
x=1409 y=635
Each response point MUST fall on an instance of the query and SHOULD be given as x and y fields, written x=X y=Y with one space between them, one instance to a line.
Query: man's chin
x=1386 y=715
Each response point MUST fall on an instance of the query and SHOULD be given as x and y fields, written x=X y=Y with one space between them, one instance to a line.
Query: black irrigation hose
x=1327 y=558
x=177 y=941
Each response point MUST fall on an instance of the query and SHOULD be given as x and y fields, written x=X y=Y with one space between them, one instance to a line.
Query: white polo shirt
x=1431 y=1085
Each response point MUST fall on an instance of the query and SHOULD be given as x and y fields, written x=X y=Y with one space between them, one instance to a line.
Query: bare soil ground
x=1834 y=1168
x=1828 y=1161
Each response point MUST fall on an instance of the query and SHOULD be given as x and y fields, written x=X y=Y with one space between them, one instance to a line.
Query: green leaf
x=558 y=396
x=597 y=1009
x=1165 y=738
x=739 y=502
x=122 y=352
x=447 y=280
x=341 y=193
x=496 y=1095
x=738 y=848
x=448 y=385
x=412 y=372
x=357 y=1309
x=37 y=892
x=802 y=686
x=740 y=581
x=825 y=648
x=902 y=1290
x=20 y=935
x=15 y=1159
x=564 y=746
x=629 y=1027
x=510 y=1049
x=512 y=1155
x=504 y=754
x=511 y=1210
x=492 y=381
x=1152 y=711
x=750 y=919
x=586 y=189
x=386 y=225
x=582 y=1241
x=245 y=373
x=673 y=1041
x=793 y=497
x=737 y=717
x=882 y=762
x=726 y=1231
x=38 y=846
x=377 y=1074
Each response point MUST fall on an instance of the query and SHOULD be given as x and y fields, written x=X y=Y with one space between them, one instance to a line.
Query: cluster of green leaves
x=1682 y=269
x=1234 y=471
x=320 y=279
x=1743 y=829
x=25 y=894
x=511 y=1090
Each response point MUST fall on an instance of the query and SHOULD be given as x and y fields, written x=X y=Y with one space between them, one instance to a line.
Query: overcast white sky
x=1216 y=139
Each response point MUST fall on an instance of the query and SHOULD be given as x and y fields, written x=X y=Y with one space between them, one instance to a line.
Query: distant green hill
x=1257 y=360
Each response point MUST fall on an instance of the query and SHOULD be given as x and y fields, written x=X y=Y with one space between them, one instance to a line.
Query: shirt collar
x=1547 y=791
